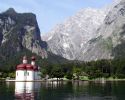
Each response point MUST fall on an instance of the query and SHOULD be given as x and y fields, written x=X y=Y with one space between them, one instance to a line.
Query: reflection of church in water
x=27 y=90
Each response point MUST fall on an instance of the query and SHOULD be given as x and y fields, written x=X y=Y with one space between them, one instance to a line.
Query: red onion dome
x=21 y=67
x=33 y=58
x=35 y=68
x=29 y=67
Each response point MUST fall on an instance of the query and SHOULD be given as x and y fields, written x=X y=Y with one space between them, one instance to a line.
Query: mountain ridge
x=109 y=43
x=94 y=44
x=74 y=33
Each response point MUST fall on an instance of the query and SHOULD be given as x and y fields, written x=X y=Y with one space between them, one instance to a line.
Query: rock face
x=69 y=38
x=111 y=40
x=91 y=34
x=20 y=31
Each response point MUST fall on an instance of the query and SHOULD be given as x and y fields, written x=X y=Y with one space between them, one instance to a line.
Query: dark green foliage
x=69 y=75
x=94 y=69
x=57 y=72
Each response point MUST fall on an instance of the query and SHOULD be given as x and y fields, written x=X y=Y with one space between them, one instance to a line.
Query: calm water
x=62 y=91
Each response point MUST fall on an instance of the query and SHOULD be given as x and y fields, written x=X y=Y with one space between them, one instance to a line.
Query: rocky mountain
x=111 y=40
x=19 y=36
x=68 y=38
x=91 y=34
x=20 y=31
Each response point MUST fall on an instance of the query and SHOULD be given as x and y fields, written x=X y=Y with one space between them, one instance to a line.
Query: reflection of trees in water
x=99 y=89
x=62 y=90
x=6 y=91
x=75 y=90
x=93 y=90
x=118 y=89
x=56 y=90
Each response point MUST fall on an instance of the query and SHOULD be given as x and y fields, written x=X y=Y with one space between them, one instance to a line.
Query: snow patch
x=65 y=45
x=50 y=38
x=66 y=34
x=81 y=45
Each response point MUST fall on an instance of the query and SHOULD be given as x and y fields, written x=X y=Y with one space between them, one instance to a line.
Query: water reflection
x=26 y=90
x=62 y=90
x=76 y=90
x=54 y=84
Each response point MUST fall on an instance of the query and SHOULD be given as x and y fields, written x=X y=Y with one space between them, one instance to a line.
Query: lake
x=62 y=91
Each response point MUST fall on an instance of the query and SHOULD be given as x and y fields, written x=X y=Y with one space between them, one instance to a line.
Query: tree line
x=95 y=69
x=76 y=69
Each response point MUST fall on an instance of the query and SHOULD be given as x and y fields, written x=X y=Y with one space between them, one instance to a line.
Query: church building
x=27 y=72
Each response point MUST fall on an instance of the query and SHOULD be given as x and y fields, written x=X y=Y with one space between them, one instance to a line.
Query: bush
x=11 y=75
x=69 y=75
x=121 y=76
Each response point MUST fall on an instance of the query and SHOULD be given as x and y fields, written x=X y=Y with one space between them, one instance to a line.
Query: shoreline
x=93 y=80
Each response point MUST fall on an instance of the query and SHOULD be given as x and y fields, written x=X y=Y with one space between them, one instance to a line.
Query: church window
x=27 y=73
x=24 y=73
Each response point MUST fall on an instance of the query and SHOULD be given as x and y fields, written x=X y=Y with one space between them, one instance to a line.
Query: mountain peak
x=10 y=11
x=23 y=32
x=71 y=36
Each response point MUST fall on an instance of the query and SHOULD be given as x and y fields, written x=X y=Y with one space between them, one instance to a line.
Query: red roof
x=21 y=67
x=29 y=67
x=26 y=67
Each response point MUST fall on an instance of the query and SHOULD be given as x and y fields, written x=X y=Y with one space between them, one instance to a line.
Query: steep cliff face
x=110 y=42
x=68 y=38
x=19 y=31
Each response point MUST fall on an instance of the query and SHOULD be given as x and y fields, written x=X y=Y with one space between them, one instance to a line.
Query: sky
x=51 y=12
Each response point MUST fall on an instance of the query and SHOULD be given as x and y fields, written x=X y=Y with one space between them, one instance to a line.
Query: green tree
x=57 y=72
